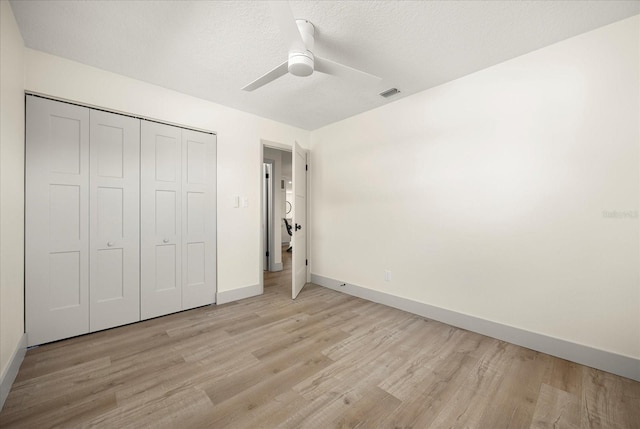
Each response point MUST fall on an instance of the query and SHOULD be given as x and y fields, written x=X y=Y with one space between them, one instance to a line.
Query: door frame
x=284 y=148
x=268 y=231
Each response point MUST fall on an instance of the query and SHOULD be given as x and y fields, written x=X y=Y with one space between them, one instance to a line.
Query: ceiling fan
x=298 y=36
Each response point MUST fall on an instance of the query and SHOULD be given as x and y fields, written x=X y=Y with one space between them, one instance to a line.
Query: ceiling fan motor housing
x=301 y=63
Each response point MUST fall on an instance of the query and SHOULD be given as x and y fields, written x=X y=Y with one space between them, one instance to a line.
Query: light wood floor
x=324 y=360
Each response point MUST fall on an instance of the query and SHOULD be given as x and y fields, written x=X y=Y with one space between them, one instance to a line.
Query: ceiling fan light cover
x=300 y=64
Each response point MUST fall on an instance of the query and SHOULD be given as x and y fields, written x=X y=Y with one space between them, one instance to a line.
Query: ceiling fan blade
x=283 y=16
x=274 y=74
x=324 y=65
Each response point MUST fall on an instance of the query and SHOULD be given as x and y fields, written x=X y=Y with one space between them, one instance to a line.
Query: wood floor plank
x=609 y=401
x=404 y=382
x=342 y=376
x=324 y=360
x=62 y=411
x=275 y=413
x=467 y=406
x=171 y=410
x=565 y=376
x=62 y=380
x=261 y=392
x=276 y=316
x=556 y=409
x=227 y=349
x=368 y=411
x=518 y=390
x=426 y=397
x=342 y=398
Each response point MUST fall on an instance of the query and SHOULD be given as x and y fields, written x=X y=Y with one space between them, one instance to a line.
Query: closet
x=119 y=220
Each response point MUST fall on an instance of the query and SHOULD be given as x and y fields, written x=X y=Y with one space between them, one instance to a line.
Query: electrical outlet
x=387 y=275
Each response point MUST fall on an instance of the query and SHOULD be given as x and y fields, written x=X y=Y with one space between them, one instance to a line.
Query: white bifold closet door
x=115 y=212
x=56 y=221
x=82 y=220
x=120 y=220
x=198 y=219
x=178 y=236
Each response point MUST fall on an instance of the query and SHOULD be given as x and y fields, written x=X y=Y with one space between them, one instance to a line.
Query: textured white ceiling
x=211 y=49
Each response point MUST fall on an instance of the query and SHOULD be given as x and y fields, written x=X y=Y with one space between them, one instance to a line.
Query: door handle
x=110 y=244
x=298 y=227
x=166 y=240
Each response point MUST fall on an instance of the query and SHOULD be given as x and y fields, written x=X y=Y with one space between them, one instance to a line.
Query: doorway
x=277 y=212
x=284 y=219
x=276 y=203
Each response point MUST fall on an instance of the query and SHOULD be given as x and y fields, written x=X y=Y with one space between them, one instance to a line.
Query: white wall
x=239 y=147
x=485 y=195
x=11 y=188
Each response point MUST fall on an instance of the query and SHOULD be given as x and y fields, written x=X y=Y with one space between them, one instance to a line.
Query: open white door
x=299 y=169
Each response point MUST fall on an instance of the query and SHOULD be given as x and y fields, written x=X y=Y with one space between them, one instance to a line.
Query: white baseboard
x=12 y=369
x=226 y=296
x=277 y=266
x=614 y=363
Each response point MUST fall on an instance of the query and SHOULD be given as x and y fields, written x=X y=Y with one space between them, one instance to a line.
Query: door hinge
x=267 y=176
x=306 y=262
x=267 y=254
x=306 y=167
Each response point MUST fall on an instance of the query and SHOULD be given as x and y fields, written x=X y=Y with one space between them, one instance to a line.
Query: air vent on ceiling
x=389 y=92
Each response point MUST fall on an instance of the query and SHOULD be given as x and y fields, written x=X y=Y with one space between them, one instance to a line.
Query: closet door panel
x=64 y=213
x=199 y=218
x=65 y=288
x=56 y=221
x=108 y=285
x=115 y=214
x=166 y=209
x=161 y=219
